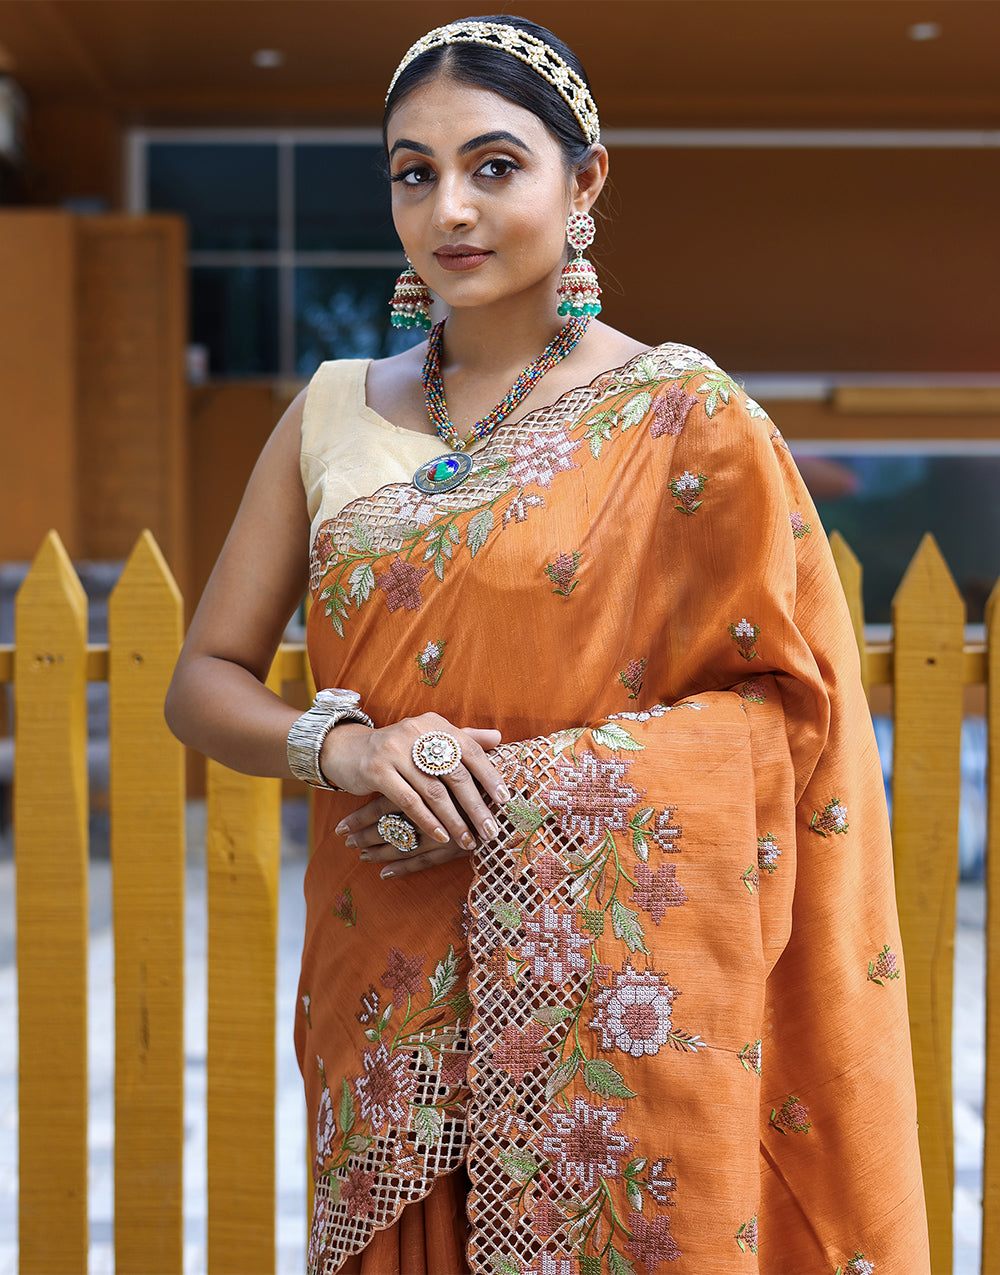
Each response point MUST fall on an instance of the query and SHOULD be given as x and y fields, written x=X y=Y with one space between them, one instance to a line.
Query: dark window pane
x=342 y=200
x=344 y=314
x=892 y=500
x=234 y=311
x=228 y=193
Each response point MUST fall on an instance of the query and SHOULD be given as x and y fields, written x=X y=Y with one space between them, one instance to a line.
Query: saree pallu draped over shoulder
x=661 y=1018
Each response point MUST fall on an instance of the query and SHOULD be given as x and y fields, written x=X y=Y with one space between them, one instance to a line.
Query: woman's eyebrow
x=404 y=143
x=491 y=139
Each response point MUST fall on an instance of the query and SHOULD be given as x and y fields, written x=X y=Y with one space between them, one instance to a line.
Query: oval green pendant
x=442 y=473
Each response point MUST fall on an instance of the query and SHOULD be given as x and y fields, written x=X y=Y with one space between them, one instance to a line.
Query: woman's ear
x=588 y=181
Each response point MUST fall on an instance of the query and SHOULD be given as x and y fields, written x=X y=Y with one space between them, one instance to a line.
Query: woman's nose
x=452 y=207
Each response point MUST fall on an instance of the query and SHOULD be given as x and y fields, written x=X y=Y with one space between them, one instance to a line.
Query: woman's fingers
x=420 y=862
x=447 y=808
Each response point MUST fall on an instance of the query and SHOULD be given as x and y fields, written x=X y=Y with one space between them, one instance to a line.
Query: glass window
x=344 y=314
x=342 y=200
x=234 y=312
x=891 y=500
x=228 y=192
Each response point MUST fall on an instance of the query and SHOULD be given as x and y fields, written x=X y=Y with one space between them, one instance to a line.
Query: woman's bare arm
x=217 y=702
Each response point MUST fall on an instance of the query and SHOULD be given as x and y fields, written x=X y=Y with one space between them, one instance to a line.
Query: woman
x=659 y=1012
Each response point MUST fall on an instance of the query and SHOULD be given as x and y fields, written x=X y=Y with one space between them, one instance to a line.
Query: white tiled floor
x=291 y=1223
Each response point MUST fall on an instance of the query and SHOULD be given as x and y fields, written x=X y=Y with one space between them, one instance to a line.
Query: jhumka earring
x=411 y=301
x=579 y=292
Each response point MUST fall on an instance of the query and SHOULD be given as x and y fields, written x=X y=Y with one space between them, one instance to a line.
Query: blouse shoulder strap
x=334 y=400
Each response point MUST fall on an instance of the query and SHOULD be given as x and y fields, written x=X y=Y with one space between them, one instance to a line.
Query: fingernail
x=441 y=835
x=387 y=872
x=341 y=828
x=503 y=793
x=468 y=840
x=365 y=856
x=490 y=829
x=351 y=843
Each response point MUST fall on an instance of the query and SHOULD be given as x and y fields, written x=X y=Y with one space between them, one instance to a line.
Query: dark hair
x=486 y=67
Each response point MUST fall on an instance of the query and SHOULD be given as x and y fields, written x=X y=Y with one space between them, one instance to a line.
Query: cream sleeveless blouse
x=348 y=450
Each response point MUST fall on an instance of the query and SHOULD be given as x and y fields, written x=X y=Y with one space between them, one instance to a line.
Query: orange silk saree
x=661 y=1018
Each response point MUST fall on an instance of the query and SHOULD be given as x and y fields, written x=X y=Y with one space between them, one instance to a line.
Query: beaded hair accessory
x=541 y=57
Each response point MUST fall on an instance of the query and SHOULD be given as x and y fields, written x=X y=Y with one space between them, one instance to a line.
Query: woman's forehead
x=446 y=113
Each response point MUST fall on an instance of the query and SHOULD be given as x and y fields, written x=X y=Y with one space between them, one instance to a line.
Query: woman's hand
x=447 y=810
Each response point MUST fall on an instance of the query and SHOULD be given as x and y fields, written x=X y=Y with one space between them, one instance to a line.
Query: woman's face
x=480 y=194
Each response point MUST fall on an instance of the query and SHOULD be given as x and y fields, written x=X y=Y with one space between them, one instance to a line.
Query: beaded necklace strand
x=565 y=340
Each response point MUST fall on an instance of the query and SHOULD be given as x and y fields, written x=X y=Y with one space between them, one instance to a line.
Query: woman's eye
x=412 y=176
x=498 y=167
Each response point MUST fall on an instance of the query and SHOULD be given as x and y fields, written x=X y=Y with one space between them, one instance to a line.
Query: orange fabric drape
x=662 y=1016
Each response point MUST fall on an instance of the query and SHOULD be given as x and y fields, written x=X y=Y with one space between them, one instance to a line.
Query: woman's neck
x=509 y=334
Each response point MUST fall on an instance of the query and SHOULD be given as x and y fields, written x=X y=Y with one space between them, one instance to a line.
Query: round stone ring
x=398 y=831
x=436 y=753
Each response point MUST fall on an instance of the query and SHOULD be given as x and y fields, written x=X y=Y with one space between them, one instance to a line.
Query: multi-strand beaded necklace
x=561 y=344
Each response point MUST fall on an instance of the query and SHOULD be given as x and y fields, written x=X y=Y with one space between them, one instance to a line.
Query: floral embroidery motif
x=651 y=1241
x=858 y=1265
x=687 y=489
x=554 y=945
x=593 y=797
x=345 y=907
x=326 y=1126
x=518 y=508
x=518 y=1051
x=429 y=662
x=767 y=853
x=750 y=1056
x=561 y=573
x=386 y=1087
x=633 y=1014
x=660 y=1185
x=656 y=891
x=583 y=1145
x=831 y=821
x=545 y=1263
x=745 y=636
x=883 y=967
x=371 y=1003
x=746 y=1236
x=753 y=692
x=548 y=871
x=791 y=1116
x=750 y=878
x=670 y=411
x=404 y=974
x=307 y=1008
x=631 y=677
x=800 y=527
x=401 y=585
x=356 y=1193
x=540 y=458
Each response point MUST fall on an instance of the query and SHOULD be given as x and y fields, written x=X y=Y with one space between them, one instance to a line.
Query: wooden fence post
x=50 y=829
x=850 y=572
x=991 y=1109
x=928 y=632
x=147 y=851
x=243 y=846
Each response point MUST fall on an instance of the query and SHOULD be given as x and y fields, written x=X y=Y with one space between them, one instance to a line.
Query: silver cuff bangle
x=305 y=739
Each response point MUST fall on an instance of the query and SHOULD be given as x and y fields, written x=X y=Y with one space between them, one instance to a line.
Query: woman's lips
x=461 y=257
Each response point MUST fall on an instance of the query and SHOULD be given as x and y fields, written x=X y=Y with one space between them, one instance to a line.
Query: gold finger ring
x=436 y=753
x=398 y=831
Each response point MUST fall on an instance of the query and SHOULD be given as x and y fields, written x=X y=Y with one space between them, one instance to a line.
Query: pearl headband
x=535 y=53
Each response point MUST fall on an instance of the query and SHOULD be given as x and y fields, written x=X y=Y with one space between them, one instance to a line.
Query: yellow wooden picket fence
x=928 y=665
